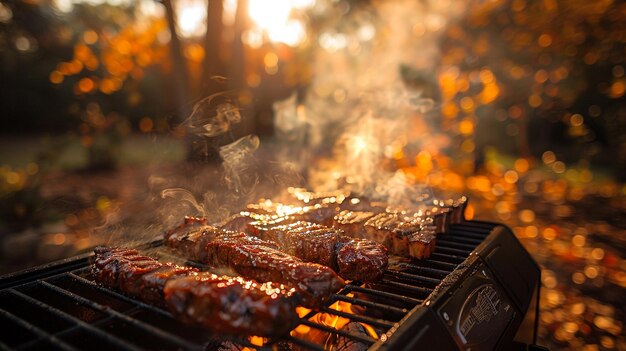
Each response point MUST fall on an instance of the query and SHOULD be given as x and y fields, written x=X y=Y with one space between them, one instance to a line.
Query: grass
x=66 y=151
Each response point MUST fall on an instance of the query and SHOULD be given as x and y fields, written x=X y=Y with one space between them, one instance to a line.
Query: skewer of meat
x=257 y=259
x=219 y=303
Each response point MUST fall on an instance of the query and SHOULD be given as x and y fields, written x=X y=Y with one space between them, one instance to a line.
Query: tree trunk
x=237 y=68
x=213 y=60
x=181 y=79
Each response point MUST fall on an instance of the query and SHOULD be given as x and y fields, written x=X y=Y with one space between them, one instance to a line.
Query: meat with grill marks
x=135 y=274
x=257 y=259
x=456 y=207
x=219 y=303
x=403 y=235
x=356 y=259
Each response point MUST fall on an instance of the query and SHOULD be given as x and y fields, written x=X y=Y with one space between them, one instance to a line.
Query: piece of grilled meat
x=134 y=274
x=355 y=259
x=219 y=303
x=403 y=234
x=456 y=207
x=257 y=259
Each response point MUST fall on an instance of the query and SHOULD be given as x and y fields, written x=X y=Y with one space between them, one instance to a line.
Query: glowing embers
x=336 y=326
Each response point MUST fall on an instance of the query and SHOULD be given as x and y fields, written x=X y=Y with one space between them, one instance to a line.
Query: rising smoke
x=374 y=94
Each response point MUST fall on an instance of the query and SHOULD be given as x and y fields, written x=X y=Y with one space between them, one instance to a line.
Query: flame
x=257 y=340
x=330 y=320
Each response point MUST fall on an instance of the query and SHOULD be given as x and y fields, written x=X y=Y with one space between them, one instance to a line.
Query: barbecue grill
x=473 y=293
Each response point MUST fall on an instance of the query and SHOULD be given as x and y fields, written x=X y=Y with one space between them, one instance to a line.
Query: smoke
x=239 y=164
x=211 y=190
x=213 y=116
x=374 y=97
x=184 y=197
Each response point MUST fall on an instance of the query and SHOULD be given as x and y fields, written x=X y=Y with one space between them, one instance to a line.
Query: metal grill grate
x=62 y=308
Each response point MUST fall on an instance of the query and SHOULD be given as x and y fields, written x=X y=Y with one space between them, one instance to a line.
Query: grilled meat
x=421 y=244
x=361 y=259
x=355 y=259
x=232 y=305
x=434 y=215
x=321 y=212
x=308 y=241
x=380 y=228
x=136 y=275
x=456 y=206
x=257 y=259
x=398 y=232
x=352 y=222
x=193 y=241
x=219 y=303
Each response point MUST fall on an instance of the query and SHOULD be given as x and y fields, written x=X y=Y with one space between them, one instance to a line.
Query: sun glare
x=191 y=18
x=275 y=19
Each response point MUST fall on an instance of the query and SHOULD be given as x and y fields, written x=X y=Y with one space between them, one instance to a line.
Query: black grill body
x=472 y=294
x=481 y=304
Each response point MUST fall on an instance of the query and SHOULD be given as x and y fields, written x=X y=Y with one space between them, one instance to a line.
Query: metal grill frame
x=417 y=279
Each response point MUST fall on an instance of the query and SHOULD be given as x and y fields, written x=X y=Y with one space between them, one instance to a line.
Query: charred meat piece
x=396 y=231
x=400 y=237
x=236 y=223
x=362 y=259
x=442 y=218
x=219 y=345
x=232 y=305
x=221 y=304
x=308 y=241
x=263 y=263
x=434 y=215
x=257 y=259
x=352 y=222
x=136 y=275
x=193 y=240
x=380 y=228
x=319 y=213
x=266 y=210
x=355 y=259
x=422 y=243
x=188 y=223
x=456 y=207
x=403 y=236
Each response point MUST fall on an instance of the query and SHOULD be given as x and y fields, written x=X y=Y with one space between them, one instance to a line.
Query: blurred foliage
x=54 y=65
x=548 y=74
